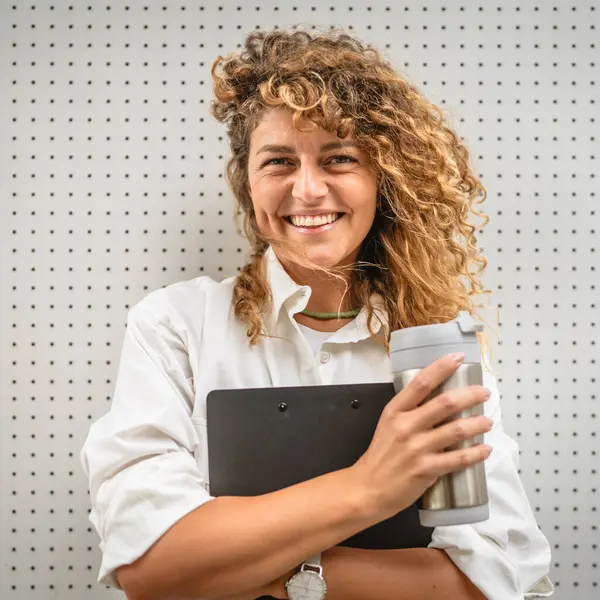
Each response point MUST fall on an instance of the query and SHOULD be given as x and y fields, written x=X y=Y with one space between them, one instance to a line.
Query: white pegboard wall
x=112 y=185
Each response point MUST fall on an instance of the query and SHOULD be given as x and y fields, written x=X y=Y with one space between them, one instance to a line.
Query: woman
x=355 y=195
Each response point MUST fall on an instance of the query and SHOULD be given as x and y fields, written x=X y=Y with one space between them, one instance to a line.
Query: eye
x=339 y=156
x=270 y=161
x=345 y=156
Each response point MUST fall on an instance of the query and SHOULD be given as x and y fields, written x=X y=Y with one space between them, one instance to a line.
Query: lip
x=314 y=230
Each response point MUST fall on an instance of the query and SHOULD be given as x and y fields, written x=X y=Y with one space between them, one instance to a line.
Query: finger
x=447 y=404
x=424 y=384
x=447 y=436
x=442 y=463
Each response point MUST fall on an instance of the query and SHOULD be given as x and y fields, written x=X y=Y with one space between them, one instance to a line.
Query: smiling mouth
x=313 y=226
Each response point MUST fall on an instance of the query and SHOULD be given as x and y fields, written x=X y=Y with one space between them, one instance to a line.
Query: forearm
x=407 y=574
x=232 y=545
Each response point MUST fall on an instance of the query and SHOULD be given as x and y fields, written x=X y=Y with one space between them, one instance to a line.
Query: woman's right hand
x=406 y=455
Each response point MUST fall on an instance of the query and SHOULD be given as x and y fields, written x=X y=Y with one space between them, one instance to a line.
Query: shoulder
x=186 y=303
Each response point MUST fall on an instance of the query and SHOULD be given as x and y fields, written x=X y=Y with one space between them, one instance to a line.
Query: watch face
x=306 y=585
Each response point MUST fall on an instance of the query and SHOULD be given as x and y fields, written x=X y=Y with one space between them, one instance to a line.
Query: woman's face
x=307 y=188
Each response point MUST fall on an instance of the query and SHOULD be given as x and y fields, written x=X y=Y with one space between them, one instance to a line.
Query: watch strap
x=315 y=560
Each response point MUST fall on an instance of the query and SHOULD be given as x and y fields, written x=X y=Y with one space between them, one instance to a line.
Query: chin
x=329 y=257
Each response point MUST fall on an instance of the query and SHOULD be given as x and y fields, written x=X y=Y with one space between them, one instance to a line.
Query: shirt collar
x=293 y=298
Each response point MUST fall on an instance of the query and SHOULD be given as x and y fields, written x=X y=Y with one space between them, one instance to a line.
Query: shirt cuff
x=487 y=564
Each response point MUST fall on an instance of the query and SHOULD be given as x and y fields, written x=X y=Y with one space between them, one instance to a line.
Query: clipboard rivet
x=282 y=407
x=355 y=403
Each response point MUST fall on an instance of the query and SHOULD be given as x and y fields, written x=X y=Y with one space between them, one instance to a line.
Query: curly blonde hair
x=421 y=245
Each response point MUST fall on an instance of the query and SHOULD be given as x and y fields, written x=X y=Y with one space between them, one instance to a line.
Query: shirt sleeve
x=507 y=557
x=140 y=457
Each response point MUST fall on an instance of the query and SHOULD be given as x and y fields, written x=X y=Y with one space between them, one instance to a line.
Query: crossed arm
x=407 y=574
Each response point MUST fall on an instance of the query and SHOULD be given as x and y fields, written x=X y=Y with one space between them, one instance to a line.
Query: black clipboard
x=264 y=439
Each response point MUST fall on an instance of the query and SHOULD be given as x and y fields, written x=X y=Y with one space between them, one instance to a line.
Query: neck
x=326 y=297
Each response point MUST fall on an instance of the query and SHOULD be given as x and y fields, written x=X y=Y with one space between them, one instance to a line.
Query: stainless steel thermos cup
x=461 y=496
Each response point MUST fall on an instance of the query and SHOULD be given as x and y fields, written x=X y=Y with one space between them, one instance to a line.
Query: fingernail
x=458 y=357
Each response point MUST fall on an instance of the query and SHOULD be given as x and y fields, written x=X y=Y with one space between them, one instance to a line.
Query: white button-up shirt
x=146 y=459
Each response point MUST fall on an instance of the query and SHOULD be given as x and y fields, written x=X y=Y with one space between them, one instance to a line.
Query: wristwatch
x=308 y=583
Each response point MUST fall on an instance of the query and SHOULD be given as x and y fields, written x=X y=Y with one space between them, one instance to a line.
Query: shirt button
x=325 y=356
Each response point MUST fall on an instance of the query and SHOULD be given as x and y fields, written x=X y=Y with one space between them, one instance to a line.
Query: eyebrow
x=324 y=148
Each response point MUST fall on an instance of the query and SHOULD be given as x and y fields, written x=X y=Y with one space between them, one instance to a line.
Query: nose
x=309 y=183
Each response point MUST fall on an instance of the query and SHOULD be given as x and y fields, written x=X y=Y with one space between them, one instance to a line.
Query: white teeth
x=313 y=221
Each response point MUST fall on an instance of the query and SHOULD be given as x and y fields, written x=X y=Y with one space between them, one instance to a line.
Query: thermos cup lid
x=416 y=347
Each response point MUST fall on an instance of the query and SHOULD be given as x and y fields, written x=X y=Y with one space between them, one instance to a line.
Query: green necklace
x=325 y=316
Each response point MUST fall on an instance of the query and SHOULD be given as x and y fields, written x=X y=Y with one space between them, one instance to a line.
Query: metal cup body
x=463 y=488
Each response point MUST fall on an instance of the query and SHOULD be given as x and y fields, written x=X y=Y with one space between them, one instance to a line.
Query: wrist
x=308 y=582
x=363 y=499
x=277 y=588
